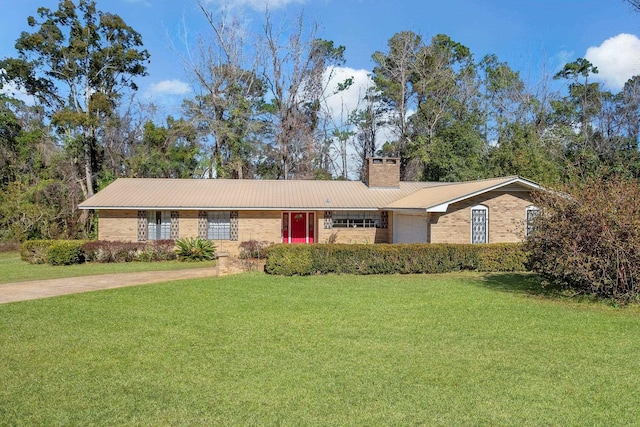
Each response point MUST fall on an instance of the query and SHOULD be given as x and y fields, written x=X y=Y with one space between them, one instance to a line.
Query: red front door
x=297 y=227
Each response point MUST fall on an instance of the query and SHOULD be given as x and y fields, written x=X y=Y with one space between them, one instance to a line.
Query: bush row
x=106 y=251
x=54 y=252
x=303 y=260
x=66 y=252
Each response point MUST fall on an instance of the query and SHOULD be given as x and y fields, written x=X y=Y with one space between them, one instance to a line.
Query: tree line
x=259 y=110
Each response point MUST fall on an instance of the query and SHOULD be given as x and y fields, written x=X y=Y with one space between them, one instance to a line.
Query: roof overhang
x=443 y=207
x=224 y=208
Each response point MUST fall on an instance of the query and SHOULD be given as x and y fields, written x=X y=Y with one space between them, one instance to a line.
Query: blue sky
x=529 y=35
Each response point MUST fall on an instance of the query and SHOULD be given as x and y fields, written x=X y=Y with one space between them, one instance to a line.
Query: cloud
x=342 y=103
x=617 y=59
x=170 y=87
x=10 y=89
x=259 y=5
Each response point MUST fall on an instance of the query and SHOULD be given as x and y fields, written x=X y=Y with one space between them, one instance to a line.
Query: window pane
x=159 y=225
x=355 y=219
x=165 y=228
x=532 y=214
x=151 y=225
x=478 y=226
x=219 y=225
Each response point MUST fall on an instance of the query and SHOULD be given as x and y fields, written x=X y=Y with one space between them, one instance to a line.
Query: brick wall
x=506 y=218
x=382 y=172
x=260 y=225
x=118 y=225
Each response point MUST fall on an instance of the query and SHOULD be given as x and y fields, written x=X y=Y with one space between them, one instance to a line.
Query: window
x=531 y=213
x=352 y=219
x=158 y=225
x=479 y=224
x=219 y=225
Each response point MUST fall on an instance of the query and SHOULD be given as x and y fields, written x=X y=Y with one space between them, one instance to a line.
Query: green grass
x=13 y=269
x=251 y=349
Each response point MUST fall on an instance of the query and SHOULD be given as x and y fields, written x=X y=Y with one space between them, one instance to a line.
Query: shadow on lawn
x=522 y=283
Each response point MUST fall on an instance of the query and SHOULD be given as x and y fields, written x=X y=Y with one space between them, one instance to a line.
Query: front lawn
x=13 y=269
x=253 y=349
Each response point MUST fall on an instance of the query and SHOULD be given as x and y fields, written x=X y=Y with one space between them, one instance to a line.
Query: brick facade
x=118 y=225
x=507 y=214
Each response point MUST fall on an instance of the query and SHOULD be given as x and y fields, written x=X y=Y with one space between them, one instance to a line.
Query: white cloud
x=617 y=60
x=342 y=103
x=170 y=87
x=259 y=5
x=10 y=89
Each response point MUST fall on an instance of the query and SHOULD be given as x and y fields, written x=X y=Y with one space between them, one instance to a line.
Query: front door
x=298 y=227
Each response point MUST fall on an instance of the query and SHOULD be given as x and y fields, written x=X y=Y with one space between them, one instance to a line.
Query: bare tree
x=294 y=69
x=228 y=95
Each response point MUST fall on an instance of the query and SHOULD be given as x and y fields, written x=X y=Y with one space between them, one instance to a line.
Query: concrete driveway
x=22 y=291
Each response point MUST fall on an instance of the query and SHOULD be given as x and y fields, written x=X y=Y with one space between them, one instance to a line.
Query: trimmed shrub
x=65 y=252
x=195 y=249
x=35 y=251
x=503 y=257
x=289 y=260
x=304 y=260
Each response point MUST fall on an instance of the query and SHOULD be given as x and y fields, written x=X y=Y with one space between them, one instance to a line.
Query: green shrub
x=587 y=238
x=503 y=257
x=289 y=260
x=65 y=252
x=195 y=249
x=392 y=259
x=35 y=251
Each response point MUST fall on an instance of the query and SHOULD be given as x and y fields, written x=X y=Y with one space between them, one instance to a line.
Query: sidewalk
x=22 y=291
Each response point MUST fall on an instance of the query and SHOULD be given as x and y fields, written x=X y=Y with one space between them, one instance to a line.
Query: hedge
x=54 y=252
x=108 y=251
x=35 y=251
x=66 y=252
x=304 y=260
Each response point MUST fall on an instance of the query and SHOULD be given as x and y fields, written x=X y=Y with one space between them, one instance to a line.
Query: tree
x=393 y=76
x=447 y=141
x=634 y=3
x=296 y=70
x=169 y=151
x=367 y=122
x=76 y=63
x=578 y=109
x=227 y=106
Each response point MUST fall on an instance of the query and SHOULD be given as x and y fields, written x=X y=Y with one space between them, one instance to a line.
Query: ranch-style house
x=382 y=209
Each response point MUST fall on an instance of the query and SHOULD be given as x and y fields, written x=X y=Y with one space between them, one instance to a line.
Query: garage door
x=410 y=228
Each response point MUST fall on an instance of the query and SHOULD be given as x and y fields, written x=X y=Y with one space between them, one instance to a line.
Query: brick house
x=382 y=209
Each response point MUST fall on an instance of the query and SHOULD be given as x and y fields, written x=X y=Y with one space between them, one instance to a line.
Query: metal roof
x=226 y=194
x=438 y=199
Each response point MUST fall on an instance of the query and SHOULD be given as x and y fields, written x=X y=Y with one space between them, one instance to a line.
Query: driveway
x=22 y=291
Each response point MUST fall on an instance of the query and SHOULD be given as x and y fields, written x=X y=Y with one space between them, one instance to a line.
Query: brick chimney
x=382 y=172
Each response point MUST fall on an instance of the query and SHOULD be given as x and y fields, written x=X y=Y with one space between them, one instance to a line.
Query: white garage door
x=410 y=228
